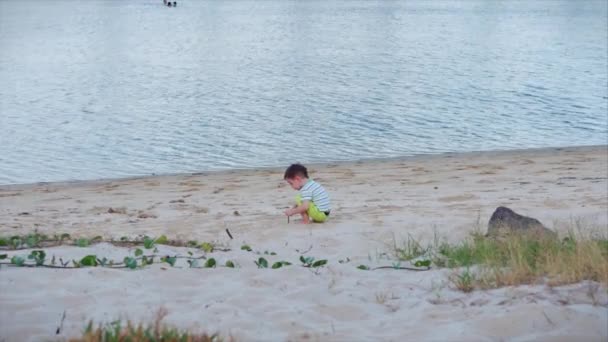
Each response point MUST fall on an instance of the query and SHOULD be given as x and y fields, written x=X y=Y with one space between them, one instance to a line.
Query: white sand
x=372 y=202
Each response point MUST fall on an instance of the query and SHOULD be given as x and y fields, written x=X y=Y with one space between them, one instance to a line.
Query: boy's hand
x=288 y=212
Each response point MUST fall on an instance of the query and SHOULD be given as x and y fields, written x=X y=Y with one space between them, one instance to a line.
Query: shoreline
x=416 y=157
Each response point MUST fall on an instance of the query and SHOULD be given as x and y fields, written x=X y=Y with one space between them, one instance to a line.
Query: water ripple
x=111 y=89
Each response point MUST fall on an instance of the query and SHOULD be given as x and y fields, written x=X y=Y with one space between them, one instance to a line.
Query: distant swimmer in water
x=174 y=3
x=169 y=4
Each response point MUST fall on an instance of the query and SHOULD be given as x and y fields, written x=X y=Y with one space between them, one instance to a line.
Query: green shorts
x=313 y=212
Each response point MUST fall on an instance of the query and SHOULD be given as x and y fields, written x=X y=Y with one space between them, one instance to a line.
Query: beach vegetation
x=311 y=262
x=117 y=331
x=514 y=259
x=261 y=263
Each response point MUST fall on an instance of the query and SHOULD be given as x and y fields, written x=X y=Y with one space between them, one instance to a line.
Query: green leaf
x=147 y=261
x=130 y=262
x=89 y=260
x=162 y=240
x=280 y=264
x=363 y=267
x=31 y=241
x=17 y=260
x=246 y=248
x=3 y=256
x=148 y=242
x=273 y=253
x=38 y=256
x=207 y=247
x=82 y=242
x=307 y=261
x=229 y=264
x=16 y=242
x=262 y=263
x=423 y=263
x=169 y=260
x=138 y=252
x=210 y=263
x=3 y=242
x=319 y=263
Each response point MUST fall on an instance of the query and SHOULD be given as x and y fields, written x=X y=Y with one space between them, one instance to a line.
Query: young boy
x=312 y=201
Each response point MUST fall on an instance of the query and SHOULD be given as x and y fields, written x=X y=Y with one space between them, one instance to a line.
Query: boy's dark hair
x=294 y=170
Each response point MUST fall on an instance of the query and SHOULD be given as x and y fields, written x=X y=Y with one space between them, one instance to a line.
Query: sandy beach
x=375 y=204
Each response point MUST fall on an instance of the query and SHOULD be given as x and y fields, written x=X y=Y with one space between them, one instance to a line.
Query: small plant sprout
x=169 y=260
x=149 y=242
x=246 y=248
x=280 y=264
x=131 y=262
x=363 y=267
x=38 y=256
x=89 y=260
x=162 y=240
x=138 y=252
x=229 y=264
x=423 y=263
x=210 y=263
x=261 y=263
x=17 y=260
x=207 y=247
x=82 y=242
x=310 y=262
x=464 y=281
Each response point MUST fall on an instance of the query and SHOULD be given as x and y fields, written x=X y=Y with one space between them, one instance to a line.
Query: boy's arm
x=302 y=208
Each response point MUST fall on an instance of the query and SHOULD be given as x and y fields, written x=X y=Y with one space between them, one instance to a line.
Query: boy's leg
x=315 y=214
x=305 y=218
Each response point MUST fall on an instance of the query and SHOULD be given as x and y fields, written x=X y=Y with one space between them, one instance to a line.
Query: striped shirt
x=315 y=193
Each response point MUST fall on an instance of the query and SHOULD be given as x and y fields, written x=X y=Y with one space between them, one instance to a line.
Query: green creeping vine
x=37 y=240
x=141 y=259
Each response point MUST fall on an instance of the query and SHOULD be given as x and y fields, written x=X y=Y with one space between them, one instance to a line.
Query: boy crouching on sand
x=312 y=201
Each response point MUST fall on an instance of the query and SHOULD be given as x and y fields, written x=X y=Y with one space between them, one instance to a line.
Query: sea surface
x=103 y=89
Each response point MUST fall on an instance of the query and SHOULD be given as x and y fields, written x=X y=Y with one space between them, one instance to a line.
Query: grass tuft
x=156 y=332
x=517 y=259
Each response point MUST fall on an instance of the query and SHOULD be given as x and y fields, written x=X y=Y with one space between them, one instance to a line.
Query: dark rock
x=505 y=221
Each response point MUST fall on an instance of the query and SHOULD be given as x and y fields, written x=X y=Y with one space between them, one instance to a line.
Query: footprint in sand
x=10 y=194
x=110 y=187
x=143 y=215
x=458 y=198
x=201 y=210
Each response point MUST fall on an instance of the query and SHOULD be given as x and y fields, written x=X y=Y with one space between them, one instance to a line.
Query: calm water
x=97 y=89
